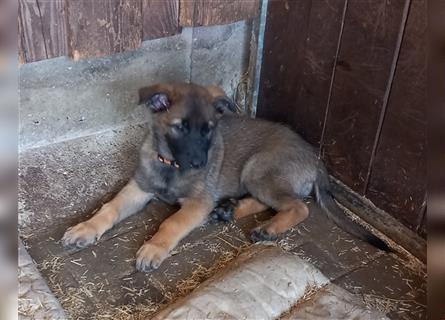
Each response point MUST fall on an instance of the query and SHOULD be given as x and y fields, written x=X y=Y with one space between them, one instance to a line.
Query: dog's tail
x=336 y=214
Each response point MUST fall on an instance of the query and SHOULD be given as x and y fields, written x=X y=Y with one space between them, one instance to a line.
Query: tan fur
x=289 y=215
x=247 y=207
x=192 y=214
x=215 y=91
x=128 y=201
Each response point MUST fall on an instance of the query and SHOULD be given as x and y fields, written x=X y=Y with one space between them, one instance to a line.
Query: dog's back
x=260 y=148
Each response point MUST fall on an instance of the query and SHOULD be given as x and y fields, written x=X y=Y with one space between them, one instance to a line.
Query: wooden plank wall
x=350 y=77
x=103 y=27
x=436 y=120
x=54 y=27
x=205 y=12
x=30 y=27
x=300 y=44
x=398 y=177
x=160 y=18
x=91 y=28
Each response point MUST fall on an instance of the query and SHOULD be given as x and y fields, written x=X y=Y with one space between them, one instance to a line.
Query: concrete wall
x=61 y=99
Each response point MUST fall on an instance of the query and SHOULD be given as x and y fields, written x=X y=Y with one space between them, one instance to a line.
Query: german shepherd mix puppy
x=198 y=152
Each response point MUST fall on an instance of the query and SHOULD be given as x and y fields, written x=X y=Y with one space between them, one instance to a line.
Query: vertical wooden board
x=421 y=217
x=436 y=121
x=88 y=25
x=186 y=13
x=284 y=38
x=294 y=88
x=54 y=26
x=214 y=12
x=399 y=176
x=318 y=64
x=103 y=27
x=422 y=227
x=31 y=31
x=367 y=51
x=129 y=29
x=20 y=41
x=160 y=18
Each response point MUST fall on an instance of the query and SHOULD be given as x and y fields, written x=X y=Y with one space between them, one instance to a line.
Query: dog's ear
x=157 y=97
x=221 y=102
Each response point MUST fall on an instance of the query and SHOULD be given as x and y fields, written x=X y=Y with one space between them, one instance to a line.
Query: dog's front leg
x=192 y=214
x=128 y=201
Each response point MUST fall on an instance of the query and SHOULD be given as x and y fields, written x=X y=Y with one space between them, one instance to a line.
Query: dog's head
x=185 y=118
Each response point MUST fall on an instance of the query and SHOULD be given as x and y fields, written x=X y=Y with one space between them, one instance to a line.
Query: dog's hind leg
x=232 y=209
x=290 y=213
x=277 y=192
x=248 y=206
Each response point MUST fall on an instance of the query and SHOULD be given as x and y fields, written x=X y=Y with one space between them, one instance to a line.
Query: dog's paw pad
x=260 y=234
x=224 y=211
x=80 y=236
x=149 y=257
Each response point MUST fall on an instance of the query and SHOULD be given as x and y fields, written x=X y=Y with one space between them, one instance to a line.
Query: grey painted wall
x=61 y=99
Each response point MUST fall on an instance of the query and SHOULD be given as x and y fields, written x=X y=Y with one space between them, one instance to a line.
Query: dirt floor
x=62 y=184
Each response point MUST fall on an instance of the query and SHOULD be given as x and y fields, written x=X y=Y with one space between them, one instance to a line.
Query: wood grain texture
x=300 y=46
x=186 y=13
x=421 y=217
x=54 y=26
x=20 y=41
x=215 y=12
x=399 y=172
x=160 y=18
x=379 y=219
x=436 y=119
x=103 y=27
x=368 y=47
x=30 y=27
x=284 y=38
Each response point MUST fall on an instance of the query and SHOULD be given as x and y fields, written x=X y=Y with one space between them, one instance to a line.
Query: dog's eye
x=207 y=128
x=179 y=127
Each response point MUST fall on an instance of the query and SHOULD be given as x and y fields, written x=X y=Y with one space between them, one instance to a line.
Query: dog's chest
x=172 y=185
x=165 y=187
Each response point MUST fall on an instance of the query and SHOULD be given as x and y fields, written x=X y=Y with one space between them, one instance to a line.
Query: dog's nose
x=196 y=163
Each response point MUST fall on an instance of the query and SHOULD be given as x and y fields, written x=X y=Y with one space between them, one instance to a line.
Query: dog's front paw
x=81 y=235
x=150 y=256
x=224 y=211
x=259 y=234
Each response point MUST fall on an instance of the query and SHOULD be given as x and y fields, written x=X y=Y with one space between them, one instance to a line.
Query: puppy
x=198 y=152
